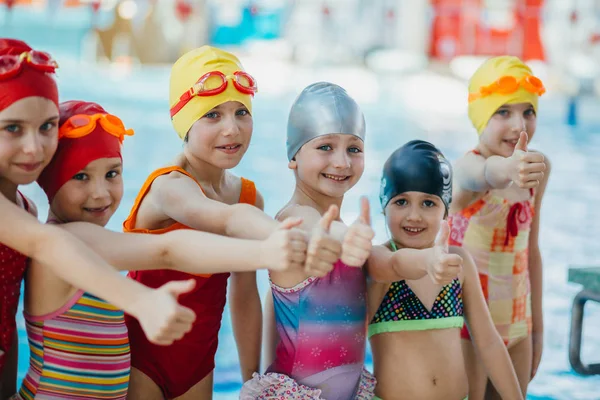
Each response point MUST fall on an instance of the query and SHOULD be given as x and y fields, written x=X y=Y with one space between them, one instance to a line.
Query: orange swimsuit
x=177 y=368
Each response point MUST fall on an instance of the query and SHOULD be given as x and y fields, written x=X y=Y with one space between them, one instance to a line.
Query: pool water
x=397 y=109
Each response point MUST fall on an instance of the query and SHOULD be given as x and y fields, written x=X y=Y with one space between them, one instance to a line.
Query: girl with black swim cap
x=416 y=316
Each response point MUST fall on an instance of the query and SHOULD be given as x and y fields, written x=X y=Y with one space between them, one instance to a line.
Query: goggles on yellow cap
x=215 y=82
x=509 y=84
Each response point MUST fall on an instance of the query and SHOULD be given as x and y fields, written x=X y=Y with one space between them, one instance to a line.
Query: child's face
x=92 y=195
x=330 y=164
x=502 y=131
x=28 y=139
x=414 y=218
x=222 y=136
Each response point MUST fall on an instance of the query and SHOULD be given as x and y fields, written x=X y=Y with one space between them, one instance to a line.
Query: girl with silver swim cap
x=496 y=211
x=320 y=314
x=416 y=193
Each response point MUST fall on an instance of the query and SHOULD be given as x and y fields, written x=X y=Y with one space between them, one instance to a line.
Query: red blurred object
x=459 y=28
x=183 y=10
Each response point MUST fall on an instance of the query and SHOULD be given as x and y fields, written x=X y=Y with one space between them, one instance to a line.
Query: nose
x=341 y=160
x=414 y=214
x=32 y=144
x=518 y=123
x=99 y=189
x=230 y=126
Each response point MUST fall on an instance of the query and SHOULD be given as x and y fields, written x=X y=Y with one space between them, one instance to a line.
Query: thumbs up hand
x=526 y=169
x=357 y=243
x=323 y=250
x=285 y=249
x=443 y=267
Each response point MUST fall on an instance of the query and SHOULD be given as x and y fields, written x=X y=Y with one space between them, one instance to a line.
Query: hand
x=443 y=267
x=526 y=168
x=286 y=248
x=538 y=346
x=161 y=317
x=323 y=250
x=357 y=243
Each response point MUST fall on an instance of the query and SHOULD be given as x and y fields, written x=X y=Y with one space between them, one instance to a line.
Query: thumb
x=177 y=288
x=365 y=211
x=443 y=235
x=522 y=143
x=290 y=223
x=329 y=217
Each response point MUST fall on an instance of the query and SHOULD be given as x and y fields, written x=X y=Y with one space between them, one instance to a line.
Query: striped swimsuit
x=80 y=351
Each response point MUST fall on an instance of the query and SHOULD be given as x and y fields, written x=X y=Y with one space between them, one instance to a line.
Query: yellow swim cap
x=482 y=108
x=185 y=73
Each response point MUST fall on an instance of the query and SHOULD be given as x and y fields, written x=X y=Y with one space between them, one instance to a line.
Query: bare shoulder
x=297 y=210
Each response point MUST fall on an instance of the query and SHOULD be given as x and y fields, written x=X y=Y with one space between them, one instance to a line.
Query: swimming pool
x=397 y=109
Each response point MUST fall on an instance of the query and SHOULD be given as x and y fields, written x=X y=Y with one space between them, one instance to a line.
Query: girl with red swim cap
x=28 y=139
x=83 y=184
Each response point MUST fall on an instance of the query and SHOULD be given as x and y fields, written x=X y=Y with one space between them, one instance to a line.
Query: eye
x=112 y=174
x=429 y=203
x=81 y=177
x=47 y=127
x=503 y=112
x=243 y=112
x=211 y=115
x=529 y=113
x=355 y=150
x=401 y=202
x=12 y=128
x=325 y=147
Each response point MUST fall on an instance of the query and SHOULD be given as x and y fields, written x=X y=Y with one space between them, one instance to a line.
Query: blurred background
x=405 y=61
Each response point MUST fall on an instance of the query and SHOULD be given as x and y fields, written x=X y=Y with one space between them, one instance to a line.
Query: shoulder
x=296 y=210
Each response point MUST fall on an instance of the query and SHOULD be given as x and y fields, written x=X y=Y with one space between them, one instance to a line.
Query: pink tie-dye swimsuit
x=322 y=326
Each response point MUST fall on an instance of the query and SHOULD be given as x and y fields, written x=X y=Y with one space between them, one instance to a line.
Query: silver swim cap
x=321 y=109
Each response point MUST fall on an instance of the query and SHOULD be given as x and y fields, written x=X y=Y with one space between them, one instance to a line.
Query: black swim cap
x=418 y=166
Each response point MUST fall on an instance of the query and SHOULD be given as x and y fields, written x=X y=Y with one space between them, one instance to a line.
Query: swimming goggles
x=81 y=125
x=11 y=65
x=215 y=82
x=509 y=84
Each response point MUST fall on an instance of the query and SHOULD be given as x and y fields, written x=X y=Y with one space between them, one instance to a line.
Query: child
x=321 y=319
x=83 y=183
x=28 y=139
x=499 y=188
x=415 y=322
x=211 y=105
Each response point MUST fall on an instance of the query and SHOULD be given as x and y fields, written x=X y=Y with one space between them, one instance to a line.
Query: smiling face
x=502 y=132
x=414 y=219
x=92 y=195
x=222 y=136
x=28 y=139
x=330 y=164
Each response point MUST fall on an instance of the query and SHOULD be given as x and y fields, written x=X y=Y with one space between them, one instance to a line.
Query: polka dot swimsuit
x=402 y=310
x=12 y=270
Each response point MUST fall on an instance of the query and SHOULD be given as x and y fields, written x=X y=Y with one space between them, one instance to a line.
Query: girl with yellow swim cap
x=495 y=214
x=211 y=110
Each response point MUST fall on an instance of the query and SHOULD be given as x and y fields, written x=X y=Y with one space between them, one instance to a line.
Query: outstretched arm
x=386 y=266
x=193 y=251
x=71 y=260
